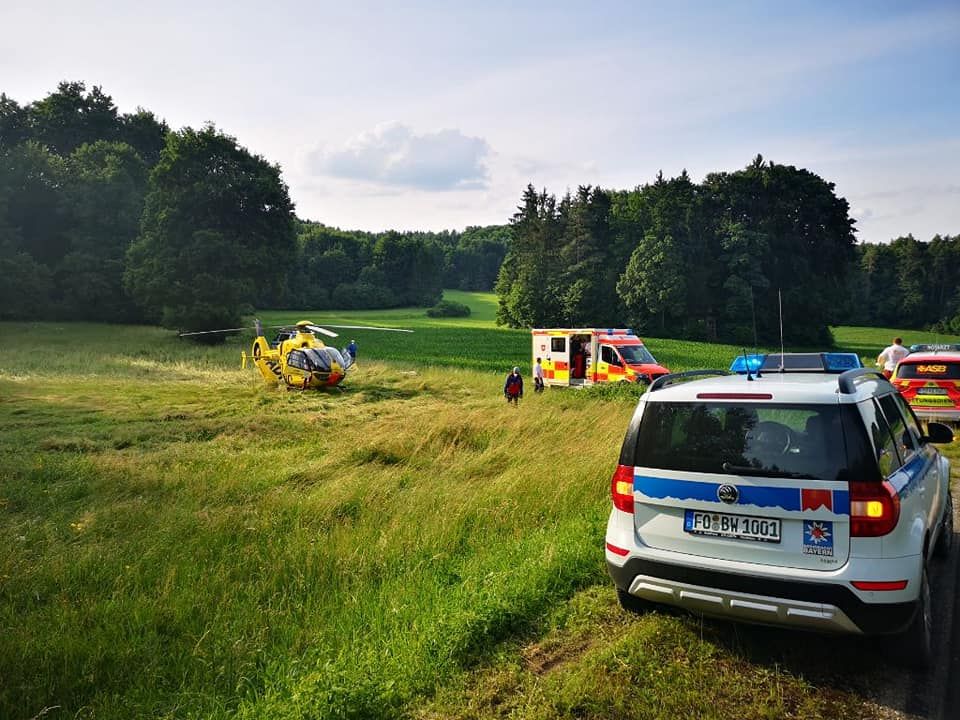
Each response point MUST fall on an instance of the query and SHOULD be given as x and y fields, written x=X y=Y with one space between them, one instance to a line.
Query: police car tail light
x=874 y=509
x=621 y=488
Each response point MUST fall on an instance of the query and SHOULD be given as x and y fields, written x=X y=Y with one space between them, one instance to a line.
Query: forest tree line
x=715 y=260
x=110 y=216
x=907 y=284
x=352 y=269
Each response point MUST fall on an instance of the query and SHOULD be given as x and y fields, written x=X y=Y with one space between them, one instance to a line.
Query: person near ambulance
x=513 y=387
x=538 y=377
x=889 y=357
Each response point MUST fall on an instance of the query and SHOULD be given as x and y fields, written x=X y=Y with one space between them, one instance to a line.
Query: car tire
x=916 y=642
x=631 y=603
x=945 y=542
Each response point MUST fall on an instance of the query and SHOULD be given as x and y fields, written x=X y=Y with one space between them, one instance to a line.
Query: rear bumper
x=937 y=413
x=824 y=607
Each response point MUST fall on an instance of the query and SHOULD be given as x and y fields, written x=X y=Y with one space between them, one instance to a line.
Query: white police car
x=803 y=496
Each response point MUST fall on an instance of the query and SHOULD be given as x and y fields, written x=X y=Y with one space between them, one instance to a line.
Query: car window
x=885 y=449
x=558 y=344
x=905 y=442
x=608 y=355
x=910 y=418
x=785 y=440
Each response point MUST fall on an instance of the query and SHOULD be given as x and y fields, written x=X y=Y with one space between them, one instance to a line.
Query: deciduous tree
x=217 y=232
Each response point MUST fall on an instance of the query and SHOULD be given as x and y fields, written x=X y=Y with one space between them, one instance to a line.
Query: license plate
x=742 y=527
x=931 y=391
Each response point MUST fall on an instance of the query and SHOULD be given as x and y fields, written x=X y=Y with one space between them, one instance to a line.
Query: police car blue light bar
x=742 y=363
x=831 y=362
x=841 y=362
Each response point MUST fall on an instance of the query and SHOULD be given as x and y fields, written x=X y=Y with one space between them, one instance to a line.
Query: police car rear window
x=929 y=370
x=801 y=441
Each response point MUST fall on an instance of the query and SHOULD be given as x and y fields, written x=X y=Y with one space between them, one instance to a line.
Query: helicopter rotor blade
x=368 y=327
x=322 y=331
x=210 y=332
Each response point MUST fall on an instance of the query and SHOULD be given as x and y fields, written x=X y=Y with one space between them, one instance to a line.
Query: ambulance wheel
x=945 y=542
x=631 y=603
x=916 y=642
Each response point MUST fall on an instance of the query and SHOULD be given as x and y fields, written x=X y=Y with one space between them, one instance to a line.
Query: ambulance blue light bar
x=831 y=362
x=935 y=347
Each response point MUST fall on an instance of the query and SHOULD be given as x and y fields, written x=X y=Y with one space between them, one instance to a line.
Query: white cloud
x=392 y=154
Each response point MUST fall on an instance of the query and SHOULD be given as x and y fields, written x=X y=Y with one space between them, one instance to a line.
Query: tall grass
x=182 y=541
x=203 y=546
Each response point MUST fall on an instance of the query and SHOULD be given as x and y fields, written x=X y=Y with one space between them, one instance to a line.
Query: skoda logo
x=728 y=494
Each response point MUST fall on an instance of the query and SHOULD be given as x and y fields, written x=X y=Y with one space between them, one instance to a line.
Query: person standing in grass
x=890 y=356
x=352 y=350
x=538 y=377
x=513 y=387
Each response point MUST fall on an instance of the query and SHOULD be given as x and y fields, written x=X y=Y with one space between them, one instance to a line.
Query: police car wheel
x=917 y=641
x=945 y=541
x=631 y=603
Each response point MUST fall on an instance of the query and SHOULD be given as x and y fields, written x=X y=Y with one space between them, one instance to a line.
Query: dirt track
x=932 y=695
x=869 y=666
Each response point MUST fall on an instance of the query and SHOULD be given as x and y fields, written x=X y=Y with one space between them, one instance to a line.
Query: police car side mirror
x=937 y=433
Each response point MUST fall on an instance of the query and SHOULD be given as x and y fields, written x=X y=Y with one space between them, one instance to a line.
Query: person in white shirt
x=890 y=356
x=538 y=377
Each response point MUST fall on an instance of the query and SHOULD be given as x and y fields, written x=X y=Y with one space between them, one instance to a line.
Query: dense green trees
x=73 y=173
x=80 y=182
x=908 y=283
x=474 y=257
x=217 y=233
x=352 y=269
x=684 y=260
x=110 y=216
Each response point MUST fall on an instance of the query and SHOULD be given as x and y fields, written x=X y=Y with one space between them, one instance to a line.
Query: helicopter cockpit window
x=336 y=356
x=318 y=359
x=298 y=359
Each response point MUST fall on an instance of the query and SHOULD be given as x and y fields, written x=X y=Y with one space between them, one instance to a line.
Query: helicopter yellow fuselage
x=301 y=362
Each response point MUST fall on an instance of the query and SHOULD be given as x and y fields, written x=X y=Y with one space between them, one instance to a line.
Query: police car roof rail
x=848 y=381
x=674 y=378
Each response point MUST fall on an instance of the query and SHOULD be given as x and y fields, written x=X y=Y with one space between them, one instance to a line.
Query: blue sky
x=431 y=116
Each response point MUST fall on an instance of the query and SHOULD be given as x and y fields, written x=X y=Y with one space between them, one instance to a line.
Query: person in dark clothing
x=513 y=387
x=352 y=349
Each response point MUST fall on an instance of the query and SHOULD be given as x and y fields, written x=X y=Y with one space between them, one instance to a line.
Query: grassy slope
x=181 y=541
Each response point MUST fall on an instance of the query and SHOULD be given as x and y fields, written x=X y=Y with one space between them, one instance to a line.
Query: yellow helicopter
x=297 y=357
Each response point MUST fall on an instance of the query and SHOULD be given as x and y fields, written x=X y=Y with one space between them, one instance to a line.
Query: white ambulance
x=583 y=356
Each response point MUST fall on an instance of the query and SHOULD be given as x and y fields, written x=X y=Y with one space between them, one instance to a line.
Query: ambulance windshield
x=636 y=355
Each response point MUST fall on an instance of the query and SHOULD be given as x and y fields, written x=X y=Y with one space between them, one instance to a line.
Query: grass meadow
x=181 y=541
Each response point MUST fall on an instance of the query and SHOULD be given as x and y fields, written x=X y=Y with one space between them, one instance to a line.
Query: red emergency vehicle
x=929 y=380
x=584 y=356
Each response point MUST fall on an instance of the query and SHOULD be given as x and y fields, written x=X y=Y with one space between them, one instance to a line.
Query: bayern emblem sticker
x=818 y=537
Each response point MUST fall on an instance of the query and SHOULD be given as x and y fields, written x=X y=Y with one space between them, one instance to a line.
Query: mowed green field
x=182 y=541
